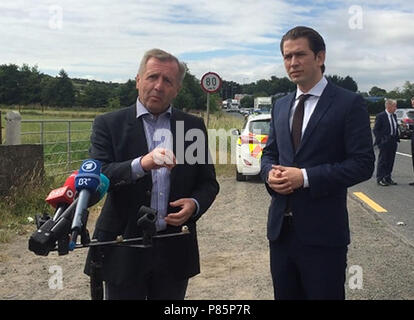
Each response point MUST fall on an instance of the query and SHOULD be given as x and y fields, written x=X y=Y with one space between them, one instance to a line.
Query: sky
x=372 y=40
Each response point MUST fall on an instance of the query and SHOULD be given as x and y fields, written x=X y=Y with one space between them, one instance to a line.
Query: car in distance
x=405 y=119
x=250 y=143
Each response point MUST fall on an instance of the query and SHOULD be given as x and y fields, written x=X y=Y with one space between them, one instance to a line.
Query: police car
x=250 y=143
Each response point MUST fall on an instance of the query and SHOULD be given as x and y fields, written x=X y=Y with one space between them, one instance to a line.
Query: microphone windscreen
x=70 y=181
x=60 y=195
x=100 y=191
x=103 y=186
x=88 y=177
x=64 y=194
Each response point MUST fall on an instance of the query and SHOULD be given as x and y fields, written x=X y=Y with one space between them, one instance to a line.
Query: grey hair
x=390 y=102
x=162 y=56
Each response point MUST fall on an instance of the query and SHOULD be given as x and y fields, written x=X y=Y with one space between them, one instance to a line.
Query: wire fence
x=65 y=142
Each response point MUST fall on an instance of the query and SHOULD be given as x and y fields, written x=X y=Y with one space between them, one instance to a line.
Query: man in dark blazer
x=386 y=138
x=143 y=150
x=318 y=146
x=412 y=143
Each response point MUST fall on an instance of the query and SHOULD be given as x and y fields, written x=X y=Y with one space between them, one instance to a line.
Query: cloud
x=238 y=39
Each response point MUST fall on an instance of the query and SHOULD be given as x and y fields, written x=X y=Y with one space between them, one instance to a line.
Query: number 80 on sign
x=211 y=82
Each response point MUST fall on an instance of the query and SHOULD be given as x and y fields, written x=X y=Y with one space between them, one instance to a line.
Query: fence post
x=42 y=128
x=13 y=128
x=69 y=147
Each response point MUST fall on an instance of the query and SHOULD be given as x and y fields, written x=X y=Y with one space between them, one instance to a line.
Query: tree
x=264 y=87
x=10 y=90
x=48 y=96
x=127 y=93
x=408 y=90
x=58 y=91
x=229 y=89
x=347 y=82
x=191 y=96
x=247 y=102
x=377 y=92
x=30 y=85
x=350 y=84
x=65 y=91
x=95 y=95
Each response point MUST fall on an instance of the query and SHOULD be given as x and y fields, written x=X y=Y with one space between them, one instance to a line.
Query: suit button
x=148 y=193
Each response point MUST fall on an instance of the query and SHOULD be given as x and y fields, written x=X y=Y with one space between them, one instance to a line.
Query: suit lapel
x=285 y=116
x=322 y=106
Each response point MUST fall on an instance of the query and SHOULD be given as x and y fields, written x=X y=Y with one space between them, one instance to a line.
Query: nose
x=294 y=61
x=158 y=84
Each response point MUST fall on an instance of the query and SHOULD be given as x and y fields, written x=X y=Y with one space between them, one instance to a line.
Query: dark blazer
x=116 y=140
x=382 y=129
x=336 y=151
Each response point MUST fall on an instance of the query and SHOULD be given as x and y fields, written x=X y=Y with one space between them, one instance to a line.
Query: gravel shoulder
x=234 y=256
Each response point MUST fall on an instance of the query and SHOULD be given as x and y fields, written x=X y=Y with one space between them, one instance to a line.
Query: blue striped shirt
x=158 y=135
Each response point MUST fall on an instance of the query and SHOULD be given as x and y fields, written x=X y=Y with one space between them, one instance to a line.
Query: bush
x=21 y=204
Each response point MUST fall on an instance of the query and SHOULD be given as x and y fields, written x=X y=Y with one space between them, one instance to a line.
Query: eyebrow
x=294 y=53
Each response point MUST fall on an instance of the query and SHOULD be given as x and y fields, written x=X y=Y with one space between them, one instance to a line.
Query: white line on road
x=404 y=154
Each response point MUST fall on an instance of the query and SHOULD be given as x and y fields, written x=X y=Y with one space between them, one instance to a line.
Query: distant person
x=412 y=143
x=320 y=144
x=386 y=138
x=140 y=148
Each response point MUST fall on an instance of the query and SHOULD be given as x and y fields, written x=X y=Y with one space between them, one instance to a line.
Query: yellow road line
x=370 y=202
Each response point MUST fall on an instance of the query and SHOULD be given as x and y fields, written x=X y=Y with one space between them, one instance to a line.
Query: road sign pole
x=210 y=83
x=208 y=108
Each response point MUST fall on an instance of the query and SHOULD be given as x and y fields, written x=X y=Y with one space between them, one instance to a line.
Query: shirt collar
x=388 y=113
x=141 y=110
x=316 y=90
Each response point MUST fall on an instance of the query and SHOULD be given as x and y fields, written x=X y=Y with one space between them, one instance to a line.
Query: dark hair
x=316 y=42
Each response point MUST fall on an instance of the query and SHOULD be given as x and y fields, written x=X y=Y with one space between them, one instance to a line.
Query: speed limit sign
x=211 y=82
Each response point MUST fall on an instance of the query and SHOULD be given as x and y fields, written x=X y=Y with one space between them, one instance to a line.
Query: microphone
x=44 y=239
x=100 y=191
x=86 y=183
x=62 y=197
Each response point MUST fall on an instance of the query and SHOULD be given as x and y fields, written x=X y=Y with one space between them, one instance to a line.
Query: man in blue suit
x=386 y=138
x=412 y=143
x=319 y=145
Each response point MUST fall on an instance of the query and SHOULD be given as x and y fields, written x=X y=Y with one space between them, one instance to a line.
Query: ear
x=137 y=81
x=320 y=58
x=178 y=89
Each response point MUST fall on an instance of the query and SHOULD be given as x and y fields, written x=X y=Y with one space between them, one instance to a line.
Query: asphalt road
x=398 y=201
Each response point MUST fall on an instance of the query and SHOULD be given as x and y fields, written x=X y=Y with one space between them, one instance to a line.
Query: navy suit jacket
x=382 y=129
x=118 y=138
x=336 y=151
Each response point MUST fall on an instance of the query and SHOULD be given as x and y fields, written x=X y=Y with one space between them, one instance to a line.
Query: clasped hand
x=284 y=180
x=158 y=158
